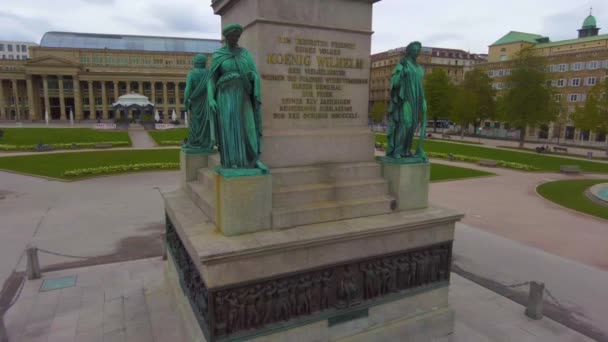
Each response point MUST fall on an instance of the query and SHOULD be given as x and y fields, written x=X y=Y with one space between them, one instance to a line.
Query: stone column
x=116 y=95
x=64 y=115
x=92 y=115
x=166 y=100
x=47 y=102
x=128 y=83
x=140 y=86
x=153 y=93
x=78 y=112
x=2 y=102
x=104 y=101
x=31 y=100
x=177 y=100
x=16 y=96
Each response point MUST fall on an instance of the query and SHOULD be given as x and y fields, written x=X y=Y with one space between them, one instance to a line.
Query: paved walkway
x=495 y=261
x=509 y=206
x=141 y=139
x=129 y=302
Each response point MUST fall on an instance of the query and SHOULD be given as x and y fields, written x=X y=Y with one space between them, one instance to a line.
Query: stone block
x=244 y=204
x=534 y=307
x=190 y=163
x=409 y=184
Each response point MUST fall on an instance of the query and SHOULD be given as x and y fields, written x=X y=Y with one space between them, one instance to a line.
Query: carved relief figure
x=326 y=289
x=370 y=280
x=283 y=310
x=269 y=291
x=233 y=312
x=348 y=289
x=304 y=296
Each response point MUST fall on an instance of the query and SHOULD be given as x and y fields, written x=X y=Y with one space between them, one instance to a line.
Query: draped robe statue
x=407 y=104
x=201 y=128
x=234 y=95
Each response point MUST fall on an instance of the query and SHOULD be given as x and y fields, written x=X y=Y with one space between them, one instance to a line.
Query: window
x=497 y=125
x=558 y=97
x=591 y=81
x=123 y=60
x=97 y=60
x=9 y=47
x=1 y=47
x=134 y=60
x=501 y=73
x=507 y=72
x=593 y=65
x=491 y=73
x=561 y=83
x=84 y=59
x=18 y=57
x=487 y=124
x=23 y=48
x=17 y=48
x=563 y=67
x=507 y=125
x=578 y=66
x=503 y=57
x=575 y=82
x=110 y=60
x=574 y=97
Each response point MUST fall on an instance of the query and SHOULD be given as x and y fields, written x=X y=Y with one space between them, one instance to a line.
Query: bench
x=446 y=136
x=557 y=148
x=103 y=145
x=488 y=163
x=570 y=169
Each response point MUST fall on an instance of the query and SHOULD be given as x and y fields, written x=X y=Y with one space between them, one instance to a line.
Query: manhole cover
x=58 y=283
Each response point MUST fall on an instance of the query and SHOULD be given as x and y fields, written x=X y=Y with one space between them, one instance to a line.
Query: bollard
x=534 y=309
x=164 y=246
x=33 y=265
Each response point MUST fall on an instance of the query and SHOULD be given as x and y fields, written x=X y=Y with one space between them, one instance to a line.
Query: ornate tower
x=589 y=28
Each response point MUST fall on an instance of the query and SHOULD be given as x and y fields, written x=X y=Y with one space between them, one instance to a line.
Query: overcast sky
x=466 y=24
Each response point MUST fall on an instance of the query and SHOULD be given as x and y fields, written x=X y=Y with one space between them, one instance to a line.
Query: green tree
x=473 y=100
x=593 y=115
x=378 y=111
x=528 y=100
x=439 y=92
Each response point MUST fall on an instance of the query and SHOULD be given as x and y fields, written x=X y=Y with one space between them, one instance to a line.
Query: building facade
x=575 y=66
x=456 y=63
x=15 y=50
x=86 y=73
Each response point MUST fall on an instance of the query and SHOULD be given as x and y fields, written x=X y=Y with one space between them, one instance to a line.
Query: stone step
x=207 y=178
x=296 y=195
x=214 y=160
x=328 y=173
x=203 y=198
x=330 y=211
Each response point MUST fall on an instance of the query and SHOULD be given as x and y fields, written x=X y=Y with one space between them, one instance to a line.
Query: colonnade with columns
x=28 y=97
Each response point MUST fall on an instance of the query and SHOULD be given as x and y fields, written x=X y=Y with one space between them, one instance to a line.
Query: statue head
x=232 y=32
x=199 y=61
x=413 y=49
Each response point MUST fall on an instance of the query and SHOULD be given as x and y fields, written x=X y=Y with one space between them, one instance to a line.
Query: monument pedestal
x=191 y=161
x=330 y=245
x=319 y=282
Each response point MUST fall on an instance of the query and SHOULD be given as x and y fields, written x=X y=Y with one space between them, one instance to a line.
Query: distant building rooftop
x=514 y=36
x=572 y=41
x=76 y=40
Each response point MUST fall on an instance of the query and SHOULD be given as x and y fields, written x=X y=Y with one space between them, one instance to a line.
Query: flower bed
x=120 y=168
x=63 y=146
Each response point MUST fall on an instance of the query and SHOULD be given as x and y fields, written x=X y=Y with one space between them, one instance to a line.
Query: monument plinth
x=330 y=243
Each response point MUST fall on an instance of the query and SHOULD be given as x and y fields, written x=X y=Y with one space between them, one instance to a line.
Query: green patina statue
x=201 y=128
x=234 y=95
x=407 y=104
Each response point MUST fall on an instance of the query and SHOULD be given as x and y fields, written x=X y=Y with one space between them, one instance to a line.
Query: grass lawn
x=50 y=136
x=571 y=194
x=541 y=162
x=169 y=137
x=55 y=164
x=441 y=172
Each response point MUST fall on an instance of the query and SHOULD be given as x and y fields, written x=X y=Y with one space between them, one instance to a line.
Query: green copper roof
x=514 y=36
x=572 y=41
x=590 y=22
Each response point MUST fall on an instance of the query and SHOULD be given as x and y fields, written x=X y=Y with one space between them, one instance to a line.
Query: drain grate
x=58 y=283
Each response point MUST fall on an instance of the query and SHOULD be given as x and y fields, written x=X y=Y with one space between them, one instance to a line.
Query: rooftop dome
x=590 y=22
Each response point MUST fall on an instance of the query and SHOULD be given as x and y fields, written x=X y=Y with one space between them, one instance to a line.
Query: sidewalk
x=128 y=302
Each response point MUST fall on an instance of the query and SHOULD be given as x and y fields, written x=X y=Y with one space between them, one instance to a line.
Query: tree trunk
x=522 y=137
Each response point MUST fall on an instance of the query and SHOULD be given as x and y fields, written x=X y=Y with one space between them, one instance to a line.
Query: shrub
x=120 y=168
x=64 y=146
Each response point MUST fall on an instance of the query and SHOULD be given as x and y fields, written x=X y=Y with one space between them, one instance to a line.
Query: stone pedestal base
x=409 y=184
x=190 y=162
x=363 y=278
x=244 y=204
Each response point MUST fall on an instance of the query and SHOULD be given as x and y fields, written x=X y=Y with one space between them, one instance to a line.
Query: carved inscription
x=318 y=72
